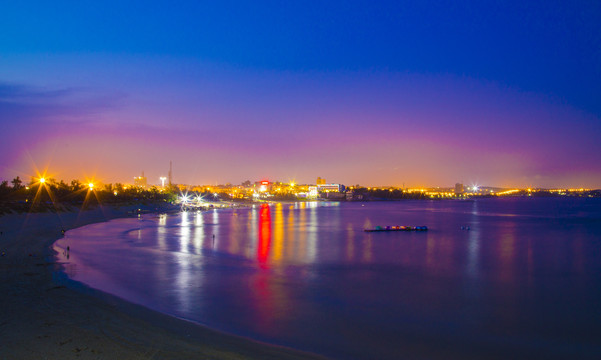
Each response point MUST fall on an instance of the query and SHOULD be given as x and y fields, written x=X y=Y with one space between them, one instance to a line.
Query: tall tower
x=170 y=172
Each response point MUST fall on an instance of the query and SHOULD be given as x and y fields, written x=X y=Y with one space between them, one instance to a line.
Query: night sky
x=418 y=93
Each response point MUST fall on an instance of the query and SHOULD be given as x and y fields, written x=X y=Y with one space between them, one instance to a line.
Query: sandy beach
x=44 y=319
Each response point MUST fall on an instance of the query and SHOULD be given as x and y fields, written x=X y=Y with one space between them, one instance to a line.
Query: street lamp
x=163 y=181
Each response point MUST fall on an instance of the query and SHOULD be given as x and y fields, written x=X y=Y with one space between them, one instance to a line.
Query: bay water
x=491 y=278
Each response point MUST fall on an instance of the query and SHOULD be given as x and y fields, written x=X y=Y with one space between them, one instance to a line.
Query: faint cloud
x=27 y=104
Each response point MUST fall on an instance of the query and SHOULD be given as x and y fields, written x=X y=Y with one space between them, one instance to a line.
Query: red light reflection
x=264 y=236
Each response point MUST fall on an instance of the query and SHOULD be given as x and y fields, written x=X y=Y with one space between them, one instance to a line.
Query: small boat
x=397 y=228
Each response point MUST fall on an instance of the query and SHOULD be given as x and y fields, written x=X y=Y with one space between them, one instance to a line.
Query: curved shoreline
x=46 y=319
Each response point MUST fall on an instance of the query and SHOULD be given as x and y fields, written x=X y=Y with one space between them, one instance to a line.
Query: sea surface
x=523 y=282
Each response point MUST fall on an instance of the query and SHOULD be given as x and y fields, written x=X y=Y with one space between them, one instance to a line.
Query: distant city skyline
x=44 y=176
x=415 y=93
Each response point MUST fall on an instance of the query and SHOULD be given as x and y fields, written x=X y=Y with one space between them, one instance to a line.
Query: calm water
x=524 y=281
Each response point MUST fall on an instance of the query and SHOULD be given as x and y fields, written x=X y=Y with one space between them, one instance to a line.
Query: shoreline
x=46 y=319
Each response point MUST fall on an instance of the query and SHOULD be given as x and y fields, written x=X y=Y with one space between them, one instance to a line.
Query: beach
x=43 y=317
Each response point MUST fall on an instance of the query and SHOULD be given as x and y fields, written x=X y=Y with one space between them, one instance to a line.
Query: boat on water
x=397 y=228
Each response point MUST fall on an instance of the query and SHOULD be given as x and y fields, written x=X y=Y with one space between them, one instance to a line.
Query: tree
x=75 y=185
x=17 y=183
x=4 y=189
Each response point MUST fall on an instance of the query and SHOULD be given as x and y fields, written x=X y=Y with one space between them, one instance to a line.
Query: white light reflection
x=162 y=232
x=473 y=250
x=183 y=279
x=183 y=275
x=198 y=232
x=473 y=247
x=312 y=233
x=334 y=221
x=184 y=239
x=215 y=228
x=236 y=233
x=254 y=233
x=300 y=246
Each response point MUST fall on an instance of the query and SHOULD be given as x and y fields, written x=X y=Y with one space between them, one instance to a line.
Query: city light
x=275 y=191
x=508 y=192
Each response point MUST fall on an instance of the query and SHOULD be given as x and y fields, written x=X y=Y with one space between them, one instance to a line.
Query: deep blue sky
x=549 y=50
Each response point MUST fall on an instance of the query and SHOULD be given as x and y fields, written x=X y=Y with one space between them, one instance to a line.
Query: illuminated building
x=140 y=181
x=330 y=187
x=264 y=186
x=320 y=181
x=262 y=189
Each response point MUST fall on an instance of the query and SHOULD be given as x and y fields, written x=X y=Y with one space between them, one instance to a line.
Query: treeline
x=546 y=193
x=385 y=194
x=55 y=195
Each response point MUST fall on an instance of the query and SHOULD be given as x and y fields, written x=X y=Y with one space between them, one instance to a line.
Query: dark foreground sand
x=43 y=319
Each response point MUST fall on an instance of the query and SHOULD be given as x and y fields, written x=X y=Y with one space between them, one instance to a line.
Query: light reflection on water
x=307 y=276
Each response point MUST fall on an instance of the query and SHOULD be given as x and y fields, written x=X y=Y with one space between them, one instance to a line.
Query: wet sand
x=44 y=319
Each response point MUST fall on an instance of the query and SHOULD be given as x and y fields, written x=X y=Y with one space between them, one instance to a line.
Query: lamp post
x=163 y=181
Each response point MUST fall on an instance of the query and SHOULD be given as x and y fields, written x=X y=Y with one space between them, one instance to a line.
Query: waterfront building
x=330 y=187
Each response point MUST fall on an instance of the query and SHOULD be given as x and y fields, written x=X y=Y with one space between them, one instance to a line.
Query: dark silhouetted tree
x=17 y=183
